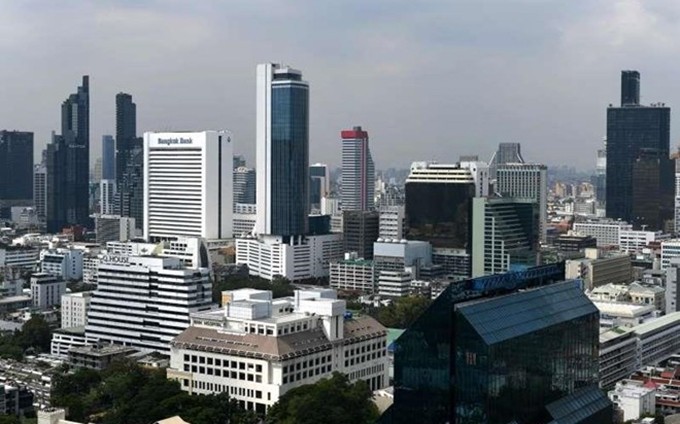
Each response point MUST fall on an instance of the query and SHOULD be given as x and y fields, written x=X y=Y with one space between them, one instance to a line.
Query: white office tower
x=145 y=301
x=526 y=181
x=244 y=186
x=107 y=197
x=188 y=185
x=358 y=171
x=257 y=348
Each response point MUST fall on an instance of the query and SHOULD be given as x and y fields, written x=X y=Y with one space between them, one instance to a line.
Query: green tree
x=402 y=312
x=330 y=401
x=9 y=419
x=35 y=334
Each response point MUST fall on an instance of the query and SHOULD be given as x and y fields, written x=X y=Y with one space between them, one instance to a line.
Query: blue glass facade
x=289 y=158
x=483 y=353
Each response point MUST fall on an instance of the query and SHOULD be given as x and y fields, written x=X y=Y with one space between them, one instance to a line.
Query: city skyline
x=560 y=63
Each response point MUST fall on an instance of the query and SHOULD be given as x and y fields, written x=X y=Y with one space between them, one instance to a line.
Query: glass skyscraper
x=486 y=353
x=108 y=157
x=639 y=178
x=129 y=161
x=282 y=151
x=68 y=164
x=16 y=168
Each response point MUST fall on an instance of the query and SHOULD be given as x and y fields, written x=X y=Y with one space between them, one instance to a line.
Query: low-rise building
x=297 y=259
x=74 y=308
x=46 y=290
x=618 y=355
x=257 y=348
x=353 y=274
x=98 y=357
x=597 y=269
x=18 y=257
x=574 y=242
x=64 y=339
x=64 y=263
x=634 y=399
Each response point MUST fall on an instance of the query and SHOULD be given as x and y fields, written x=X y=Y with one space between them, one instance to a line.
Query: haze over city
x=430 y=80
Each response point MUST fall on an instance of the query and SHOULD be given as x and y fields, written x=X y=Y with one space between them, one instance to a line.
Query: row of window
x=378 y=345
x=194 y=359
x=217 y=372
x=365 y=358
x=366 y=372
x=326 y=369
x=306 y=364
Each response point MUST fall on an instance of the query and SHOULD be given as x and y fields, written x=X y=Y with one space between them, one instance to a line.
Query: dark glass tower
x=438 y=205
x=639 y=177
x=485 y=352
x=129 y=161
x=282 y=151
x=68 y=168
x=108 y=158
x=16 y=168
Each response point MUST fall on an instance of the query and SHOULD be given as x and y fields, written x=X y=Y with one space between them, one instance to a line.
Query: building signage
x=115 y=260
x=175 y=140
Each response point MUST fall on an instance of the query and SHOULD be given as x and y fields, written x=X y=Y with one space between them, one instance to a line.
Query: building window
x=258 y=368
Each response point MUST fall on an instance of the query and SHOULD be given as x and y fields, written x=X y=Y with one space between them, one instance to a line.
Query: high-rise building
x=145 y=301
x=40 y=190
x=244 y=186
x=319 y=184
x=600 y=180
x=676 y=158
x=108 y=158
x=358 y=171
x=486 y=352
x=68 y=164
x=188 y=186
x=438 y=209
x=640 y=186
x=114 y=228
x=360 y=230
x=438 y=201
x=504 y=235
x=107 y=196
x=526 y=181
x=129 y=161
x=282 y=151
x=16 y=168
x=506 y=153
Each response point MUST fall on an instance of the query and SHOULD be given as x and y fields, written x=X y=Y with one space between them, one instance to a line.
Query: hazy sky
x=427 y=79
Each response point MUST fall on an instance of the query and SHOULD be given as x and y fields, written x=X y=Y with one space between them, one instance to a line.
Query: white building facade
x=301 y=258
x=107 y=197
x=46 y=290
x=257 y=349
x=65 y=263
x=74 y=308
x=527 y=181
x=392 y=220
x=188 y=185
x=145 y=301
x=606 y=231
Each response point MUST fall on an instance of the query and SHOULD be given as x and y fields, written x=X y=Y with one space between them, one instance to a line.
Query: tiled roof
x=270 y=347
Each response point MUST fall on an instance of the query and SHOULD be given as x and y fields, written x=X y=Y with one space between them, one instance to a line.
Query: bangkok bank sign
x=174 y=141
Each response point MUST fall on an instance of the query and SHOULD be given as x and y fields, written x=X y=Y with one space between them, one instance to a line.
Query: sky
x=428 y=79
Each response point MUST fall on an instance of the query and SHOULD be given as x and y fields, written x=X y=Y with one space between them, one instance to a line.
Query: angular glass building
x=487 y=353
